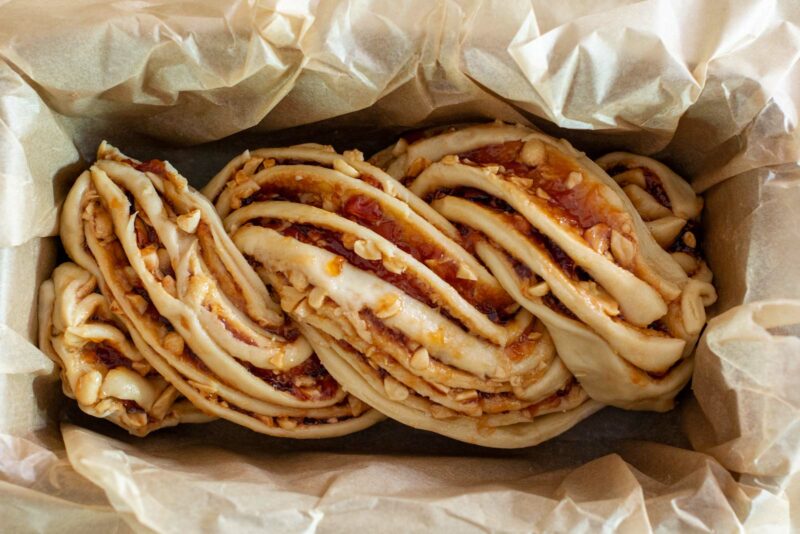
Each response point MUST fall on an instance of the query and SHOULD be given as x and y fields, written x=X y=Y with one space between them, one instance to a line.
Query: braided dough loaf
x=492 y=284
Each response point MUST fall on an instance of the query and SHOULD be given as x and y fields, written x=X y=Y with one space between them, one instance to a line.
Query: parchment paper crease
x=712 y=87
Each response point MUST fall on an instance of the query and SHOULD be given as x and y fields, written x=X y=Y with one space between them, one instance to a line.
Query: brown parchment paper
x=711 y=87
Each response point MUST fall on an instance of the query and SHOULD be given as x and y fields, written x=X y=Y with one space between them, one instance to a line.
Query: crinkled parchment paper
x=711 y=87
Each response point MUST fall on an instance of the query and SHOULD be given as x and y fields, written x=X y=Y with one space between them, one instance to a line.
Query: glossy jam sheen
x=325 y=386
x=107 y=355
x=368 y=213
x=332 y=242
x=582 y=206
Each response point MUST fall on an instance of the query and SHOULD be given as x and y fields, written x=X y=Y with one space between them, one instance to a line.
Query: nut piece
x=316 y=297
x=393 y=265
x=290 y=298
x=174 y=343
x=388 y=306
x=466 y=395
x=394 y=389
x=188 y=221
x=421 y=359
x=240 y=179
x=441 y=412
x=533 y=153
x=345 y=168
x=525 y=183
x=360 y=327
x=287 y=423
x=450 y=159
x=367 y=250
x=348 y=240
x=241 y=176
x=465 y=273
x=573 y=179
x=602 y=298
x=538 y=290
x=164 y=402
x=689 y=240
x=623 y=249
x=598 y=237
x=356 y=406
x=249 y=168
x=138 y=302
x=298 y=280
x=389 y=188
x=541 y=193
x=102 y=226
x=87 y=390
x=302 y=310
x=354 y=155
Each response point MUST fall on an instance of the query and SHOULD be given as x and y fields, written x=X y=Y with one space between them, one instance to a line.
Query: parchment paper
x=711 y=87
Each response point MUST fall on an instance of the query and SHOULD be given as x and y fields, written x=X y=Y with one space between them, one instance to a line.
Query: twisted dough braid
x=395 y=306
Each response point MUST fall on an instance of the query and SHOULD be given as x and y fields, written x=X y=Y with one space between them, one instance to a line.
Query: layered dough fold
x=397 y=309
x=101 y=367
x=184 y=311
x=610 y=266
